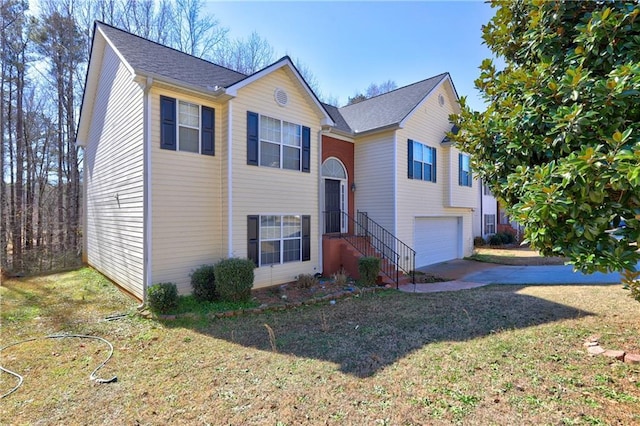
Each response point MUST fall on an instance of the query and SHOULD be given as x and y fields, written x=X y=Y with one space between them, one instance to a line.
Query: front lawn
x=492 y=355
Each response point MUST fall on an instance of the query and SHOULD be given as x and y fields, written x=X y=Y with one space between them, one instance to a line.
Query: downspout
x=230 y=179
x=395 y=206
x=320 y=216
x=147 y=233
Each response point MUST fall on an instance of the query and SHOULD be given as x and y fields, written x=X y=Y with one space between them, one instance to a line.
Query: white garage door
x=436 y=239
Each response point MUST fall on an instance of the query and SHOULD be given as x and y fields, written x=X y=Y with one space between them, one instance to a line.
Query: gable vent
x=441 y=100
x=281 y=97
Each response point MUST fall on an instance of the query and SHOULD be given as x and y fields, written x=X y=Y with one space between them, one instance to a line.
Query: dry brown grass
x=494 y=355
x=519 y=256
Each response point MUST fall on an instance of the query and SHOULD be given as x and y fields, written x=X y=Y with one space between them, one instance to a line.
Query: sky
x=348 y=45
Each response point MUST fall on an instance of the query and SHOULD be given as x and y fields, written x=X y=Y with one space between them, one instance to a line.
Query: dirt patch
x=292 y=293
x=517 y=256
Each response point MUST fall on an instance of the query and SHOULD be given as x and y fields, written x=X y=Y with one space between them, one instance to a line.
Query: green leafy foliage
x=560 y=138
x=234 y=279
x=369 y=268
x=162 y=297
x=203 y=283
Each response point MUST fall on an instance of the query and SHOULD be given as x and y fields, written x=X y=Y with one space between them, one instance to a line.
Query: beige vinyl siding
x=458 y=195
x=188 y=207
x=374 y=178
x=260 y=190
x=428 y=125
x=113 y=159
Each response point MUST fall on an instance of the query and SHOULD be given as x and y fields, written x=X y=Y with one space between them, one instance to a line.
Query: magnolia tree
x=559 y=140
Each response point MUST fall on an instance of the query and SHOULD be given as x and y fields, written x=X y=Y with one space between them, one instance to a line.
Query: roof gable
x=391 y=108
x=156 y=60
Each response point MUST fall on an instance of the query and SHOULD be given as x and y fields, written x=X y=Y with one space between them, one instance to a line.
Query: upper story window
x=422 y=161
x=464 y=163
x=277 y=143
x=185 y=126
x=486 y=190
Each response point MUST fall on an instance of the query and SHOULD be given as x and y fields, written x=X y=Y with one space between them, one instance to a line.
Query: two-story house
x=187 y=162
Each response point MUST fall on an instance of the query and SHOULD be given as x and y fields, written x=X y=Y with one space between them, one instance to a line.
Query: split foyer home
x=187 y=162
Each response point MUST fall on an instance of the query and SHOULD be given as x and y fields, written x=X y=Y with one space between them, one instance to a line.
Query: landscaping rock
x=632 y=358
x=619 y=355
x=595 y=350
x=590 y=343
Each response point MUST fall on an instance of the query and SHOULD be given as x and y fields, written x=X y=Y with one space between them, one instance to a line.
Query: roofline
x=80 y=131
x=285 y=61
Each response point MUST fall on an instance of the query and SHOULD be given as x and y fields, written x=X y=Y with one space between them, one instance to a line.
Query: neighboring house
x=187 y=162
x=485 y=216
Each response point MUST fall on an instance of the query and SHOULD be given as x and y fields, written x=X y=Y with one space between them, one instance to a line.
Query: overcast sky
x=348 y=45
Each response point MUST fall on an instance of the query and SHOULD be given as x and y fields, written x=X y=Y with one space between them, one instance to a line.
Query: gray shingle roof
x=338 y=119
x=149 y=57
x=389 y=108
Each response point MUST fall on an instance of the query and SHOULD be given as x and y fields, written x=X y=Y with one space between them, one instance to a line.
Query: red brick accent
x=343 y=151
x=337 y=254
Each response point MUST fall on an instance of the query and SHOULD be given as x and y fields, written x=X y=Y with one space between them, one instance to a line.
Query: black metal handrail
x=371 y=239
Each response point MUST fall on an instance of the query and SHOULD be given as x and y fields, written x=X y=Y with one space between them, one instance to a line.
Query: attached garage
x=437 y=239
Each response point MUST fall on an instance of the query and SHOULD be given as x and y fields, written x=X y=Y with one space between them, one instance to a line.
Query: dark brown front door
x=332 y=205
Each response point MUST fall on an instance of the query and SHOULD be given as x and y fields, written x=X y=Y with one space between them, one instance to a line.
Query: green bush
x=502 y=238
x=162 y=297
x=479 y=242
x=307 y=281
x=369 y=268
x=203 y=283
x=234 y=279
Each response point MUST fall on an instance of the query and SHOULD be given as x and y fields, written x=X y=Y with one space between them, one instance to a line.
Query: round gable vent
x=441 y=100
x=281 y=97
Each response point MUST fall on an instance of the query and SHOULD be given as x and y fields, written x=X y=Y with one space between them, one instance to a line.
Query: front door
x=332 y=205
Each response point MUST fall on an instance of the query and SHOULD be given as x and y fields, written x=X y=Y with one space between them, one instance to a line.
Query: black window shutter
x=460 y=172
x=253 y=238
x=306 y=149
x=253 y=123
x=434 y=172
x=410 y=158
x=306 y=238
x=207 y=137
x=167 y=123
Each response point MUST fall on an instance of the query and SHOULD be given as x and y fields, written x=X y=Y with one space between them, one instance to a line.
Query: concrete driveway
x=466 y=274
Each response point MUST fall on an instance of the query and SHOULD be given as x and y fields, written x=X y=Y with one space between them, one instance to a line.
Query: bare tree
x=193 y=33
x=245 y=56
x=372 y=91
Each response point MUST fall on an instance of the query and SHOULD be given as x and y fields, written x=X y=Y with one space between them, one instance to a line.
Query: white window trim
x=281 y=144
x=433 y=153
x=462 y=170
x=178 y=125
x=282 y=239
x=487 y=222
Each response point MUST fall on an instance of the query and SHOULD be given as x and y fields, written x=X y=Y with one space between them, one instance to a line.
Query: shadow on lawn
x=366 y=334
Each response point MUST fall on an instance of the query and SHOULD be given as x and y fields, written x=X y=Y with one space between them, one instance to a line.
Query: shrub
x=479 y=242
x=495 y=240
x=369 y=268
x=203 y=283
x=341 y=277
x=234 y=279
x=508 y=238
x=162 y=297
x=307 y=281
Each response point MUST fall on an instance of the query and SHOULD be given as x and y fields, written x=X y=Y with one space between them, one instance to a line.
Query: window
x=489 y=224
x=422 y=161
x=465 y=170
x=280 y=144
x=186 y=126
x=275 y=239
x=277 y=143
x=486 y=190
